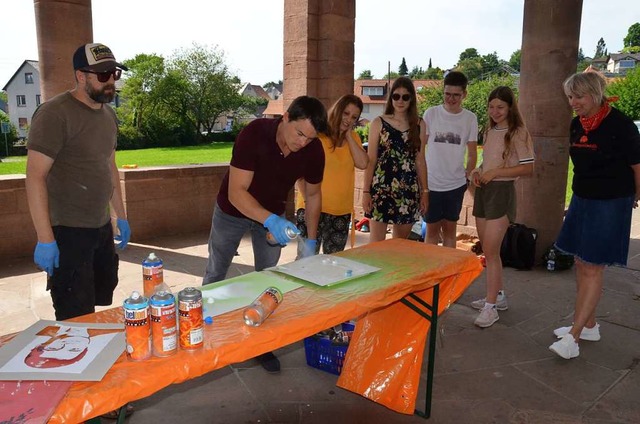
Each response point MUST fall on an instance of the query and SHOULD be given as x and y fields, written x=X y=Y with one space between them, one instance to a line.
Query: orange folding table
x=423 y=277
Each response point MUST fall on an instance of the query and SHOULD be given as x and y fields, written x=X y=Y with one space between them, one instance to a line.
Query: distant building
x=23 y=95
x=620 y=63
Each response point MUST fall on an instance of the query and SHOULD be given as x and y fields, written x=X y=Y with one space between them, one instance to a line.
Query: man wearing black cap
x=72 y=179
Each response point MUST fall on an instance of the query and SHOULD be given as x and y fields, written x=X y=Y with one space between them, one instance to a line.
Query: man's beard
x=100 y=96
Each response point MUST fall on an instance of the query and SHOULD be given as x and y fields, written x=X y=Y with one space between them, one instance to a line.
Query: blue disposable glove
x=279 y=227
x=309 y=248
x=47 y=256
x=125 y=233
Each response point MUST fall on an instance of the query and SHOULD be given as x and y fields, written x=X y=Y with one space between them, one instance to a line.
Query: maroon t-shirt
x=274 y=175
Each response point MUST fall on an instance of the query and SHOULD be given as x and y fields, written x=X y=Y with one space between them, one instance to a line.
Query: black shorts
x=88 y=272
x=445 y=205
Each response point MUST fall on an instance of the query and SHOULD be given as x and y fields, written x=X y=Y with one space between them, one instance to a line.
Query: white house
x=619 y=63
x=23 y=95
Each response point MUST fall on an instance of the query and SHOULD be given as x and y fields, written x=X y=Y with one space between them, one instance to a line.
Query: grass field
x=190 y=155
x=211 y=153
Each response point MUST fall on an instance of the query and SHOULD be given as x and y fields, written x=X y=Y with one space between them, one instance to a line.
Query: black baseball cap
x=95 y=57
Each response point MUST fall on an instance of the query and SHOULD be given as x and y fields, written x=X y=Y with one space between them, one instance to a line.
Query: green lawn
x=219 y=152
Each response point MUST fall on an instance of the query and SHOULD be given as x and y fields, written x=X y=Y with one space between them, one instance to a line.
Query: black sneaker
x=269 y=362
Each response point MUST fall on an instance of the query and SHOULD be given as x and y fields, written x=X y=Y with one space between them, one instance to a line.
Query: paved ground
x=503 y=374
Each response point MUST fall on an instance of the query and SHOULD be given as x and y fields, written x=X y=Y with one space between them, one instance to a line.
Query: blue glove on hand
x=309 y=248
x=279 y=227
x=125 y=233
x=47 y=256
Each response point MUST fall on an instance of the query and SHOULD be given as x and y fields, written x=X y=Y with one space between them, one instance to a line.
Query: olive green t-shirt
x=80 y=140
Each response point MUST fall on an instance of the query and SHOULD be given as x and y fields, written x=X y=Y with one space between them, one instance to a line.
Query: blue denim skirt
x=597 y=231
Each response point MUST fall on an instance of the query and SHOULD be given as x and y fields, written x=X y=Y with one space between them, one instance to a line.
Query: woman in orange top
x=343 y=151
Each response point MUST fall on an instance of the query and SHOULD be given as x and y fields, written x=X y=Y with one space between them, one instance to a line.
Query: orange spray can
x=164 y=330
x=137 y=327
x=152 y=274
x=190 y=318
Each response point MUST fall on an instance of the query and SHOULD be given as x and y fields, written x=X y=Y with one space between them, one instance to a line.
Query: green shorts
x=495 y=200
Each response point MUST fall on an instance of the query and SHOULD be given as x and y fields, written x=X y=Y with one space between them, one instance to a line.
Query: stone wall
x=159 y=201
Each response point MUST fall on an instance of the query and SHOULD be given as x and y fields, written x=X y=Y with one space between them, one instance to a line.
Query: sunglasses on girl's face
x=104 y=76
x=405 y=97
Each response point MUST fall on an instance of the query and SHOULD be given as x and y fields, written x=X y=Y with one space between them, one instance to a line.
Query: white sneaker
x=487 y=317
x=591 y=334
x=566 y=347
x=501 y=303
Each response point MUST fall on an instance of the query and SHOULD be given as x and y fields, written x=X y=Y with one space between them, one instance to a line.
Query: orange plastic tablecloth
x=406 y=267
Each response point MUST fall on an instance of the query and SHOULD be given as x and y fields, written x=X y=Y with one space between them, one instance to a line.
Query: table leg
x=432 y=316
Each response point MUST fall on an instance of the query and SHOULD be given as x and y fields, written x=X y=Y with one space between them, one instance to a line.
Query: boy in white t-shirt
x=451 y=131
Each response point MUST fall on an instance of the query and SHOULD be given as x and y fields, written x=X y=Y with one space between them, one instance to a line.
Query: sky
x=250 y=32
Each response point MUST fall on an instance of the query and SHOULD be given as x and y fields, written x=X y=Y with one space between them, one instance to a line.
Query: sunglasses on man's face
x=404 y=97
x=104 y=76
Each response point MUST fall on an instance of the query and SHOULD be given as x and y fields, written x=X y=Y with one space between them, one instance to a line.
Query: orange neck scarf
x=591 y=123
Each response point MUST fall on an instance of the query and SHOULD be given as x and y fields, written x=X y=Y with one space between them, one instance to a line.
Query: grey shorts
x=495 y=200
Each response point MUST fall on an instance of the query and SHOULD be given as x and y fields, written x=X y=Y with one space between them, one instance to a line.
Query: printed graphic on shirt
x=448 y=137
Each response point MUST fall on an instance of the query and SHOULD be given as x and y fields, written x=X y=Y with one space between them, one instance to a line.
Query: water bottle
x=262 y=307
x=551 y=260
x=288 y=231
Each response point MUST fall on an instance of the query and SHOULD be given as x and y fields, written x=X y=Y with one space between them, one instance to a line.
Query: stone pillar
x=319 y=38
x=550 y=36
x=62 y=26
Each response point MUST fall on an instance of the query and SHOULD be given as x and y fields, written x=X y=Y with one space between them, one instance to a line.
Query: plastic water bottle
x=262 y=307
x=551 y=260
x=288 y=231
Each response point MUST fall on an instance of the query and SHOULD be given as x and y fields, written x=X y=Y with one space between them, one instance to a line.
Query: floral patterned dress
x=394 y=189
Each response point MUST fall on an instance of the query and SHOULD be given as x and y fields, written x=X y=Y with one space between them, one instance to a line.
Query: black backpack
x=518 y=248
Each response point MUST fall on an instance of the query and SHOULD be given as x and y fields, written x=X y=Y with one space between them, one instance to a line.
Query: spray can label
x=137 y=327
x=152 y=274
x=190 y=318
x=164 y=330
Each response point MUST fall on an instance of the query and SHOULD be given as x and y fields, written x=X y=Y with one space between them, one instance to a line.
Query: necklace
x=591 y=123
x=500 y=129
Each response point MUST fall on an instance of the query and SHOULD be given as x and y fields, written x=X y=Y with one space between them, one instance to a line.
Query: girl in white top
x=507 y=155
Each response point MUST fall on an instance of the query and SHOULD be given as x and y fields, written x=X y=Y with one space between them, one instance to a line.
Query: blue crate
x=322 y=354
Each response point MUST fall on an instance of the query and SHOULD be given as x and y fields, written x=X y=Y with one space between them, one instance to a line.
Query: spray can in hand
x=262 y=307
x=152 y=274
x=288 y=231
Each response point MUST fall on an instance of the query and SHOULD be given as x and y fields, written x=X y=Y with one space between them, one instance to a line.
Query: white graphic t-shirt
x=449 y=134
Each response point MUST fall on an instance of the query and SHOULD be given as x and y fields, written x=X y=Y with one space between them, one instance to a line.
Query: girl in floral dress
x=395 y=182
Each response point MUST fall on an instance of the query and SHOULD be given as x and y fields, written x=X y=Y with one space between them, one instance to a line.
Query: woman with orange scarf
x=605 y=151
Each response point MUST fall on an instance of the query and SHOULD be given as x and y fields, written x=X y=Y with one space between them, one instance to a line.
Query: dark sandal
x=115 y=414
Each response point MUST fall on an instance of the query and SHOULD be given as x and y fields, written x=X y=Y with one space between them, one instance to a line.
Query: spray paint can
x=262 y=307
x=288 y=231
x=164 y=330
x=190 y=318
x=137 y=327
x=152 y=275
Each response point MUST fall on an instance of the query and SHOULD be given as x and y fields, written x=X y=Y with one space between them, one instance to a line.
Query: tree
x=434 y=73
x=633 y=36
x=392 y=75
x=416 y=73
x=628 y=91
x=272 y=84
x=470 y=53
x=514 y=60
x=429 y=67
x=402 y=69
x=601 y=49
x=365 y=75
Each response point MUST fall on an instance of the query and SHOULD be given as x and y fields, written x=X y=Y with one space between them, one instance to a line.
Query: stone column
x=62 y=26
x=319 y=38
x=550 y=36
